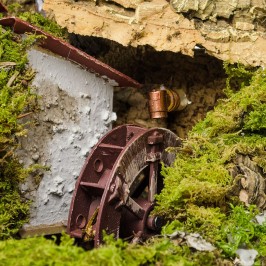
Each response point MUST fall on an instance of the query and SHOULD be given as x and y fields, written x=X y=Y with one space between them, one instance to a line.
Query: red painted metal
x=3 y=9
x=70 y=52
x=116 y=189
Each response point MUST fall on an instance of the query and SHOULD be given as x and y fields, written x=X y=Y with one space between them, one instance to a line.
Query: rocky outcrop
x=228 y=30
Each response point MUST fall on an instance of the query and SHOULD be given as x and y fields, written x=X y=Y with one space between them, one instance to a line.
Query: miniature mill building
x=75 y=93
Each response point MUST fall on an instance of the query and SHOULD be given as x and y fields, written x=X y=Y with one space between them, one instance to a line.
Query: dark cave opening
x=202 y=77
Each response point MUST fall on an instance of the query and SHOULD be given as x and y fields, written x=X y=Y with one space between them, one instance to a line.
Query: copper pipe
x=163 y=100
x=157 y=104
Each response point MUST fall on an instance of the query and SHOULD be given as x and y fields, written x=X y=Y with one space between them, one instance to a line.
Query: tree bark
x=232 y=31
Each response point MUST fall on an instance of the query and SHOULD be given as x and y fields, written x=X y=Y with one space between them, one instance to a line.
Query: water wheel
x=116 y=189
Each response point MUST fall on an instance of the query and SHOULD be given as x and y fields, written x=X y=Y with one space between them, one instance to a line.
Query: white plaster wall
x=39 y=5
x=75 y=111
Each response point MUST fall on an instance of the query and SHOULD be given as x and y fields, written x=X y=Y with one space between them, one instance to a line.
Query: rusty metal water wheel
x=116 y=189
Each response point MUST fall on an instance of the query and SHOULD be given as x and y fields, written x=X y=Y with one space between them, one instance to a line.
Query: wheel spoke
x=153 y=176
x=135 y=208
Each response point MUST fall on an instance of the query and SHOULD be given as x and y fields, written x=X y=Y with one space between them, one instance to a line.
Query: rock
x=185 y=5
x=224 y=8
x=219 y=36
x=128 y=3
x=243 y=4
x=197 y=242
x=35 y=156
x=244 y=26
x=146 y=10
x=39 y=4
x=261 y=218
x=247 y=256
x=258 y=3
x=193 y=240
x=220 y=25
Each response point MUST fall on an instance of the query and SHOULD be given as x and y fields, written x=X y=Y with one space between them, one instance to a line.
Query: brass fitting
x=165 y=100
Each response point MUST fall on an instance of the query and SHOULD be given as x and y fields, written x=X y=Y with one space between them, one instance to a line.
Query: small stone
x=247 y=256
x=243 y=182
x=261 y=218
x=243 y=4
x=197 y=242
x=35 y=157
x=221 y=36
x=243 y=196
x=185 y=5
x=244 y=26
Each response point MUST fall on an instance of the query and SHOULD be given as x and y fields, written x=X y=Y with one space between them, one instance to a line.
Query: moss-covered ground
x=200 y=193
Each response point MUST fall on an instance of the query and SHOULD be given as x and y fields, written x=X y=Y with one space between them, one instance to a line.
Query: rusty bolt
x=155 y=223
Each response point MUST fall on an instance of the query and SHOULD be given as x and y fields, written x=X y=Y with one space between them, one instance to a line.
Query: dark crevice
x=201 y=77
x=149 y=66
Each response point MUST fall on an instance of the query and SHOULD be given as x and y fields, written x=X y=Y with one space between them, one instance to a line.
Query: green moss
x=200 y=173
x=37 y=19
x=240 y=229
x=158 y=251
x=46 y=24
x=243 y=110
x=15 y=100
x=227 y=232
x=198 y=177
x=238 y=76
x=39 y=251
x=198 y=188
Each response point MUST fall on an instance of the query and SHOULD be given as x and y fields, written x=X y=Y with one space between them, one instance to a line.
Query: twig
x=12 y=79
x=7 y=64
x=23 y=115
